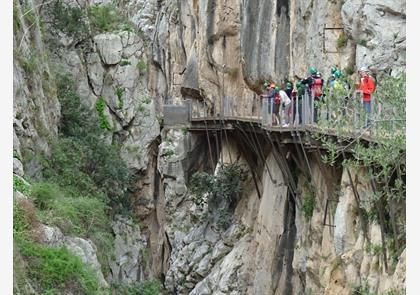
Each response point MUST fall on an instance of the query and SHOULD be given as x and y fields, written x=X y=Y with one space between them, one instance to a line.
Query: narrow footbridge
x=296 y=124
x=293 y=135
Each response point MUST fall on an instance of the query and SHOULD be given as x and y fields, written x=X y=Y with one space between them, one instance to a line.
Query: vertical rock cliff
x=273 y=238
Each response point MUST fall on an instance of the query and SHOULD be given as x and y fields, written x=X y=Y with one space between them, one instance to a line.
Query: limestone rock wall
x=110 y=65
x=36 y=110
x=272 y=246
x=209 y=50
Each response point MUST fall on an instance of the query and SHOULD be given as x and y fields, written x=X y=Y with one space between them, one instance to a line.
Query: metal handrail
x=302 y=111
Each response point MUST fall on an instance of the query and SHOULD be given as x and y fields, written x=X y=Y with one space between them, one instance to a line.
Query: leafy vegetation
x=53 y=269
x=125 y=62
x=84 y=178
x=226 y=184
x=184 y=130
x=150 y=287
x=341 y=41
x=19 y=184
x=69 y=19
x=142 y=66
x=308 y=205
x=220 y=192
x=79 y=23
x=364 y=289
x=28 y=61
x=104 y=18
x=81 y=161
x=100 y=108
x=119 y=91
x=383 y=159
x=44 y=193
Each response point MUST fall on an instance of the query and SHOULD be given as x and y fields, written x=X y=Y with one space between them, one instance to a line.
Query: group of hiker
x=285 y=100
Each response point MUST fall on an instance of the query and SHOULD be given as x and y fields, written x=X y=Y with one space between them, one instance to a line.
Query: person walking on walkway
x=315 y=84
x=366 y=87
x=276 y=106
x=301 y=88
x=270 y=94
x=285 y=105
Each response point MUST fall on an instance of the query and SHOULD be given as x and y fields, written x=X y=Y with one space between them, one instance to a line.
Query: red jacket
x=367 y=86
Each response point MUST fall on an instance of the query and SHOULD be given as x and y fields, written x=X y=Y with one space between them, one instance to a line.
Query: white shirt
x=284 y=98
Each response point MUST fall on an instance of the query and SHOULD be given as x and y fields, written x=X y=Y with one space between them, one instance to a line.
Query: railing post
x=304 y=108
x=270 y=112
x=312 y=109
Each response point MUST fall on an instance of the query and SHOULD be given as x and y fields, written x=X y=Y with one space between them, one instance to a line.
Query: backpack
x=338 y=85
x=317 y=87
x=277 y=99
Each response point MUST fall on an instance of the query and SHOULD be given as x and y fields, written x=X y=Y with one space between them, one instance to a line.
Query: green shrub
x=67 y=166
x=44 y=194
x=168 y=153
x=57 y=269
x=78 y=216
x=100 y=108
x=225 y=185
x=125 y=62
x=146 y=100
x=141 y=66
x=308 y=205
x=21 y=222
x=341 y=41
x=104 y=18
x=149 y=287
x=53 y=269
x=184 y=130
x=68 y=19
x=119 y=91
x=19 y=184
x=201 y=184
x=28 y=61
x=77 y=120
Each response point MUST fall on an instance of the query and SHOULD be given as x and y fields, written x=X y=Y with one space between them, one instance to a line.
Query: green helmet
x=312 y=70
x=277 y=88
x=266 y=83
x=289 y=85
x=298 y=84
x=333 y=70
x=338 y=74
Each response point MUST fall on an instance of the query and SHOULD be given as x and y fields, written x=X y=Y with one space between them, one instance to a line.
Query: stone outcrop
x=364 y=22
x=130 y=249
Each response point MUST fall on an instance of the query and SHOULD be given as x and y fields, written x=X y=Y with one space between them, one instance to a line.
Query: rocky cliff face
x=206 y=51
x=36 y=110
x=272 y=245
x=214 y=49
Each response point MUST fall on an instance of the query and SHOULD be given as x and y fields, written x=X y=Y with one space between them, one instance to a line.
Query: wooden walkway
x=307 y=134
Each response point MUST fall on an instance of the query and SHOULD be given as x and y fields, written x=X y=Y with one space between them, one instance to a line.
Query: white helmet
x=364 y=69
